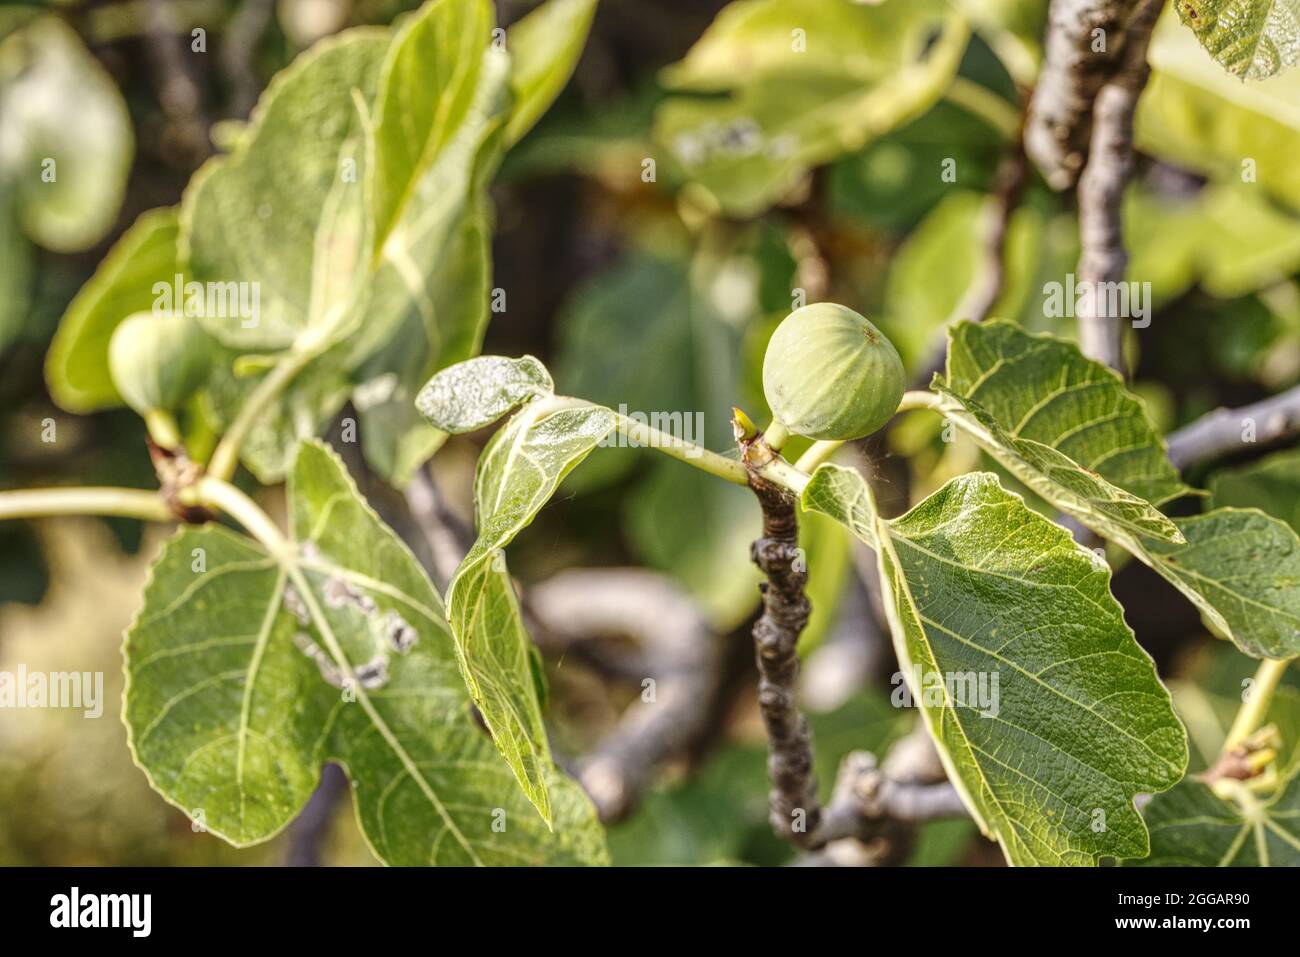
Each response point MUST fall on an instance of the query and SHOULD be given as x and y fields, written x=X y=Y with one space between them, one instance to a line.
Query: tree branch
x=1102 y=257
x=796 y=810
x=1224 y=431
x=865 y=796
x=448 y=538
x=874 y=809
x=985 y=288
x=1060 y=110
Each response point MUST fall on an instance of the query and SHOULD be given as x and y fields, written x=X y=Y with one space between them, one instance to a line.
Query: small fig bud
x=830 y=374
x=158 y=361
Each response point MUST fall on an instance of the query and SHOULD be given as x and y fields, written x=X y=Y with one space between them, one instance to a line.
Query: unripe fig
x=830 y=374
x=157 y=362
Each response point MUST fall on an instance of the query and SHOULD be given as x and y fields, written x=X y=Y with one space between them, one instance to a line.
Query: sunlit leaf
x=1062 y=424
x=1048 y=715
x=1068 y=428
x=477 y=392
x=544 y=48
x=285 y=212
x=517 y=474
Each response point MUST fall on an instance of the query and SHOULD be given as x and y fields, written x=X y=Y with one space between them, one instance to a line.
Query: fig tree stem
x=220 y=494
x=776 y=435
x=684 y=451
x=918 y=399
x=1255 y=708
x=125 y=502
x=817 y=453
x=795 y=808
x=226 y=457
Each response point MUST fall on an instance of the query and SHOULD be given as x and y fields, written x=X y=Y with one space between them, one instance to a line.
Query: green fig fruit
x=157 y=362
x=830 y=374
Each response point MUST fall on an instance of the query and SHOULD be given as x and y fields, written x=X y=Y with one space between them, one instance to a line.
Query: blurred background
x=637 y=222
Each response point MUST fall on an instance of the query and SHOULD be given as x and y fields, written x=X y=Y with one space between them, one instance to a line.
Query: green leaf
x=1241 y=568
x=544 y=48
x=76 y=367
x=1252 y=39
x=477 y=392
x=234 y=666
x=285 y=212
x=1066 y=426
x=1272 y=484
x=1192 y=827
x=395 y=437
x=397 y=285
x=518 y=472
x=1062 y=424
x=978 y=587
x=1196 y=116
x=444 y=96
x=806 y=82
x=67 y=175
x=441 y=93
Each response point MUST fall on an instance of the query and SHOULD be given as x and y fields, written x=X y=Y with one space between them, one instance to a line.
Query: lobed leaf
x=979 y=588
x=248 y=669
x=517 y=474
x=1042 y=389
x=1068 y=428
